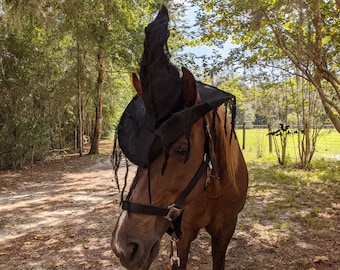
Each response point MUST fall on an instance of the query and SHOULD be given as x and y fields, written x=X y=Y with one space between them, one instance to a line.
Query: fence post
x=244 y=136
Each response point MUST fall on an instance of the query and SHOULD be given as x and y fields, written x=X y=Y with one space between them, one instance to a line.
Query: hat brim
x=141 y=145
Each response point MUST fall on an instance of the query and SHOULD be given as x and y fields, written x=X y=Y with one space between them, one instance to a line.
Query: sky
x=203 y=50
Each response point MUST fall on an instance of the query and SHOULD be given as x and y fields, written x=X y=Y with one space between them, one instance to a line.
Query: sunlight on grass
x=290 y=206
x=257 y=145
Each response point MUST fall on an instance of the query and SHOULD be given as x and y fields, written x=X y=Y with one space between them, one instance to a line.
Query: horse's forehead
x=194 y=136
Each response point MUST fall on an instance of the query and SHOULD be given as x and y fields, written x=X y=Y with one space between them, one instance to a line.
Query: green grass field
x=257 y=145
x=289 y=208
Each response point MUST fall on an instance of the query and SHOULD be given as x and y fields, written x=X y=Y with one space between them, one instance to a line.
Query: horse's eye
x=181 y=150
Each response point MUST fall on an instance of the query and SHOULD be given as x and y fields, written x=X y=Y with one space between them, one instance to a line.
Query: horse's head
x=136 y=237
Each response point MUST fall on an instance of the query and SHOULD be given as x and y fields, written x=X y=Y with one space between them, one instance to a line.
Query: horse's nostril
x=132 y=251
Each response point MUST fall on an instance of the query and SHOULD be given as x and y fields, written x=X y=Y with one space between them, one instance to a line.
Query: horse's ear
x=189 y=88
x=136 y=83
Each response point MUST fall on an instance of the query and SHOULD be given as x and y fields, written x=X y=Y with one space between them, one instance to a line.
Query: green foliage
x=236 y=87
x=283 y=50
x=24 y=87
x=276 y=39
x=48 y=51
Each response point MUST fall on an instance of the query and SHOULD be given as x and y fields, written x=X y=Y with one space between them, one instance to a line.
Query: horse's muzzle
x=135 y=248
x=133 y=254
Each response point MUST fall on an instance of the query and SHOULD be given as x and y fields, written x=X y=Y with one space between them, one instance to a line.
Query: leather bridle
x=174 y=211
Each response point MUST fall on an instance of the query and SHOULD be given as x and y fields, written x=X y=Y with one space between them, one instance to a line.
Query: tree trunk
x=283 y=148
x=80 y=106
x=99 y=107
x=321 y=67
x=270 y=138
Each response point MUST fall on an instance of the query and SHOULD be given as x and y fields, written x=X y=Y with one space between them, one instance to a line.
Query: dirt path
x=60 y=215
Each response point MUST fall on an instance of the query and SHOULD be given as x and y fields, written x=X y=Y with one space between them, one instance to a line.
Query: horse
x=205 y=171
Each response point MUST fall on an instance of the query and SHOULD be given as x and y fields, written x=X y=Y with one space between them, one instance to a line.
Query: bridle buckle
x=175 y=259
x=173 y=212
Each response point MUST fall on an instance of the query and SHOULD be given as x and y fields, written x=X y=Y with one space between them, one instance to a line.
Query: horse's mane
x=225 y=148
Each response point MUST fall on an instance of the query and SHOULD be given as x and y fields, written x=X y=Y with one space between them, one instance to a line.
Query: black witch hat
x=153 y=121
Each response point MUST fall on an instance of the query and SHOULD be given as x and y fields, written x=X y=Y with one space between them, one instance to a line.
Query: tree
x=113 y=42
x=269 y=32
x=64 y=71
x=235 y=86
x=309 y=118
x=25 y=91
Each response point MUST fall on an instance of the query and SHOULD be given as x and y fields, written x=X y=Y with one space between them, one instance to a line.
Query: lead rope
x=175 y=261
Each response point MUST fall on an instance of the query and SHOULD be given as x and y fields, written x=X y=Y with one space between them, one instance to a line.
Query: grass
x=257 y=145
x=287 y=193
x=287 y=206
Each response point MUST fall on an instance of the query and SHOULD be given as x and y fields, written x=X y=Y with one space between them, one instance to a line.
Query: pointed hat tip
x=163 y=12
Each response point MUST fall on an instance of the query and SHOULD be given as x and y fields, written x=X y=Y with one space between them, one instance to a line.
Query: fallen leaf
x=320 y=259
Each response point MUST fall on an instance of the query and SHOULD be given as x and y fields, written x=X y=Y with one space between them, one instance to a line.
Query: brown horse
x=213 y=201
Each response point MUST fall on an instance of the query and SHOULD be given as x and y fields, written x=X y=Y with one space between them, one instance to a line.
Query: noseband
x=174 y=211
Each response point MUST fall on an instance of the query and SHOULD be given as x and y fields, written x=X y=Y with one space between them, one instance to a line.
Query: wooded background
x=65 y=66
